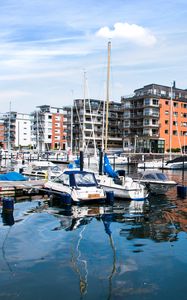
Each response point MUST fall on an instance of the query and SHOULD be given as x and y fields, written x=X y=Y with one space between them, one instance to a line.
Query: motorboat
x=123 y=186
x=44 y=169
x=178 y=163
x=80 y=186
x=121 y=159
x=152 y=164
x=156 y=181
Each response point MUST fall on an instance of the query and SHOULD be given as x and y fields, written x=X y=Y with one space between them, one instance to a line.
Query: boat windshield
x=161 y=176
x=85 y=179
x=155 y=176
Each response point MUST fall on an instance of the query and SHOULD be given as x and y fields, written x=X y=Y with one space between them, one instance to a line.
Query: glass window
x=83 y=179
x=66 y=179
x=146 y=101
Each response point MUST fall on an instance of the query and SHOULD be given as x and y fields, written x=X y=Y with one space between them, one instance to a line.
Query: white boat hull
x=87 y=194
x=127 y=190
x=176 y=166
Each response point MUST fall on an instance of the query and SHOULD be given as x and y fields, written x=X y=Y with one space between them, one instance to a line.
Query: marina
x=129 y=249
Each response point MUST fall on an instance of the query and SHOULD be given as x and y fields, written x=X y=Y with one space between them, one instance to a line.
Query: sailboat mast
x=107 y=96
x=84 y=109
x=170 y=123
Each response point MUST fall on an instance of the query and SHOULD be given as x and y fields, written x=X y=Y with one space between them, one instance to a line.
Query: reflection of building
x=89 y=124
x=48 y=131
x=149 y=116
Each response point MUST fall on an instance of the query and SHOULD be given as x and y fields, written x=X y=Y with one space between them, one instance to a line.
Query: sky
x=54 y=51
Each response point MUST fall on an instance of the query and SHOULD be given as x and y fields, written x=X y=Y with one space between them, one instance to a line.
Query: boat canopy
x=79 y=178
x=12 y=176
x=154 y=175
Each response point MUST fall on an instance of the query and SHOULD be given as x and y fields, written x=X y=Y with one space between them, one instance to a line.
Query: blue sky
x=46 y=47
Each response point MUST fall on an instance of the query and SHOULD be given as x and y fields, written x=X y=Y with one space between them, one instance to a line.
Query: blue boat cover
x=12 y=176
x=108 y=168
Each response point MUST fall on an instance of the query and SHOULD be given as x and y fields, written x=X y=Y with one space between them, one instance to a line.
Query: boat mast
x=84 y=100
x=107 y=96
x=170 y=123
x=71 y=135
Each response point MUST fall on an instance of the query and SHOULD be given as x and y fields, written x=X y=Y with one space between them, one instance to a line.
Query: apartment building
x=48 y=129
x=2 y=133
x=17 y=130
x=155 y=119
x=86 y=125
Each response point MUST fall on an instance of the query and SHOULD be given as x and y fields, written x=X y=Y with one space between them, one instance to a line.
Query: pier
x=15 y=188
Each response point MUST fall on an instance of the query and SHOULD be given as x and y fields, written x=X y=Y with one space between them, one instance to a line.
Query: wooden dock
x=14 y=188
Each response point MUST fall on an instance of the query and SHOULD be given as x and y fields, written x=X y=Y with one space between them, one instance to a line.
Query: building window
x=166 y=122
x=147 y=112
x=175 y=132
x=184 y=105
x=126 y=144
x=146 y=122
x=166 y=103
x=126 y=132
x=166 y=131
x=175 y=113
x=175 y=104
x=155 y=102
x=146 y=101
x=166 y=112
x=154 y=122
x=175 y=123
x=126 y=123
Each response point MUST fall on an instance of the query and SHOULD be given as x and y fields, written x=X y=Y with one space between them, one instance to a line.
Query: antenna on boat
x=107 y=96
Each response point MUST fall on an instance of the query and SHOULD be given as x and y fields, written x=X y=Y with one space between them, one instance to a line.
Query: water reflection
x=78 y=217
x=95 y=251
x=75 y=216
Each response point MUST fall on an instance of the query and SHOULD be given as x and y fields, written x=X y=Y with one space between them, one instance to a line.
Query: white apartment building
x=22 y=130
x=17 y=130
x=48 y=129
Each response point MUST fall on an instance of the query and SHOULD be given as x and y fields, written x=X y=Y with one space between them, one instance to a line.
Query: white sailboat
x=123 y=186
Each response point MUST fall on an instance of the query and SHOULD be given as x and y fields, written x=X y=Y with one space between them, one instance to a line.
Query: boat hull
x=127 y=189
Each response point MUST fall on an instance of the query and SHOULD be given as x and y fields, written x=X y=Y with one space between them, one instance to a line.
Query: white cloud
x=132 y=32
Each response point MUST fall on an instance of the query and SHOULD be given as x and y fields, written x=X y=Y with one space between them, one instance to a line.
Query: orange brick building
x=58 y=135
x=173 y=123
x=155 y=119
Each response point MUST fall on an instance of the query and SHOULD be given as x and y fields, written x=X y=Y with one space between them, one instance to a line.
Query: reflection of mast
x=114 y=266
x=107 y=220
x=77 y=262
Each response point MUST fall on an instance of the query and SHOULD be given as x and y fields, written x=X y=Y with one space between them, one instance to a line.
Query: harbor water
x=131 y=250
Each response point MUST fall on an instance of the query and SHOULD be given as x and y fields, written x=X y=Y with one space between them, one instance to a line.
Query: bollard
x=181 y=191
x=8 y=204
x=66 y=199
x=110 y=197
